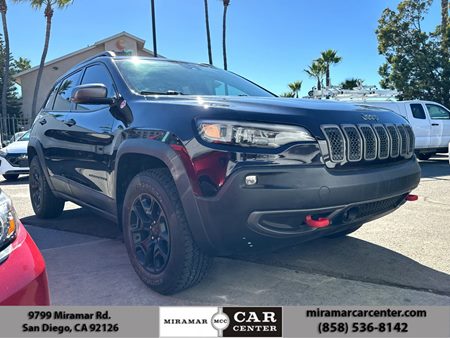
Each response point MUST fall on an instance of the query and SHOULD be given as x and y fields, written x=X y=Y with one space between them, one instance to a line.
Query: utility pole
x=155 y=49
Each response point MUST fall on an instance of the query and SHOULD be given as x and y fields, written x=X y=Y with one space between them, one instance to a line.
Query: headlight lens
x=244 y=134
x=8 y=221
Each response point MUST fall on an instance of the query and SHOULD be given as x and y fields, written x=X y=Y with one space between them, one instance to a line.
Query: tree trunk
x=48 y=15
x=445 y=53
x=328 y=80
x=224 y=37
x=208 y=33
x=319 y=85
x=3 y=9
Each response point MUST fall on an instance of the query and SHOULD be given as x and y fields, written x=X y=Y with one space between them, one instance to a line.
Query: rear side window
x=51 y=98
x=62 y=102
x=97 y=74
x=417 y=111
x=438 y=112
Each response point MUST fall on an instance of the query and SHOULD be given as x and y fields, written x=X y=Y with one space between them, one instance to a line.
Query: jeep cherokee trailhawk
x=193 y=161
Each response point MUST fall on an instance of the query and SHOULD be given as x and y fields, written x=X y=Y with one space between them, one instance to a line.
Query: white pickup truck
x=429 y=120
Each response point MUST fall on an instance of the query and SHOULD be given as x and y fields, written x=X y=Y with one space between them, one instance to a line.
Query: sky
x=269 y=42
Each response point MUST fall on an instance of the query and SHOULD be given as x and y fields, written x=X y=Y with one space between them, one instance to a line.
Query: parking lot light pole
x=155 y=49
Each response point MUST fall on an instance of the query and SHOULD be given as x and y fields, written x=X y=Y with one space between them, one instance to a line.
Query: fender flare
x=35 y=144
x=169 y=157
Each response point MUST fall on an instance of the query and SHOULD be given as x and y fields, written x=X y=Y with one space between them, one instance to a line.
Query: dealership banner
x=227 y=321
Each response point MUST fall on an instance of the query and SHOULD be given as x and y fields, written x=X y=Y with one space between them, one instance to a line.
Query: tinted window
x=97 y=74
x=418 y=111
x=64 y=93
x=438 y=112
x=166 y=77
x=49 y=104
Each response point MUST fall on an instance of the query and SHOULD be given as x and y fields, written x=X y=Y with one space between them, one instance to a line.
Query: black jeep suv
x=193 y=161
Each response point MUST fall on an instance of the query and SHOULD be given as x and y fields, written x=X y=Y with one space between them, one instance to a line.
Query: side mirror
x=92 y=93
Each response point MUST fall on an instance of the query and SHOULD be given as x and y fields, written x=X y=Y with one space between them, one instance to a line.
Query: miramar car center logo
x=220 y=322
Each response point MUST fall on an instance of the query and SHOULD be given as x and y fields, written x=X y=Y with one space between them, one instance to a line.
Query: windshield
x=25 y=137
x=150 y=77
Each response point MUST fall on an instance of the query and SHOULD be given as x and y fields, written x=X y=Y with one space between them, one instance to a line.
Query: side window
x=62 y=102
x=51 y=98
x=97 y=74
x=417 y=111
x=438 y=112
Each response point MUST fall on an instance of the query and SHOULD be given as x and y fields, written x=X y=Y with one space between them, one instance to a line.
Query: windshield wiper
x=169 y=92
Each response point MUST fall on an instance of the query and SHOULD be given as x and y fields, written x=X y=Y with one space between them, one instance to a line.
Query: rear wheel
x=158 y=239
x=424 y=156
x=11 y=177
x=345 y=232
x=45 y=204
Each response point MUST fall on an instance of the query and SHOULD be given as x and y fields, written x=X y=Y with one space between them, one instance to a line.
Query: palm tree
x=295 y=88
x=328 y=58
x=316 y=70
x=5 y=86
x=22 y=64
x=226 y=3
x=48 y=13
x=208 y=33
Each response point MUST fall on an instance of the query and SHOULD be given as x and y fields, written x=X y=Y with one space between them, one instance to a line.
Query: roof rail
x=107 y=53
x=359 y=93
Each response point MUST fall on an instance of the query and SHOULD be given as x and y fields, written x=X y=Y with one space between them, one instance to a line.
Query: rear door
x=420 y=123
x=440 y=125
x=91 y=140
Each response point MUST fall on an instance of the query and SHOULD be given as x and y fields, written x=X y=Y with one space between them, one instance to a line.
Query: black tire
x=345 y=232
x=11 y=177
x=45 y=204
x=424 y=156
x=161 y=248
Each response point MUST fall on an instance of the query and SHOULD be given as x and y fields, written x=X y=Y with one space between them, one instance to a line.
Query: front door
x=91 y=144
x=440 y=125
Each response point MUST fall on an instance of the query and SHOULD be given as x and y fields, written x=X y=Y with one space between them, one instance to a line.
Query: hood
x=18 y=147
x=305 y=112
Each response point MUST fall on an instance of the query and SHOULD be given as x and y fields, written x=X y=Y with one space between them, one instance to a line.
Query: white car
x=14 y=158
x=430 y=122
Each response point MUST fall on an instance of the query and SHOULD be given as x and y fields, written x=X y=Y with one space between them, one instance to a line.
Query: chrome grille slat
x=383 y=141
x=404 y=140
x=354 y=142
x=369 y=142
x=336 y=142
x=395 y=140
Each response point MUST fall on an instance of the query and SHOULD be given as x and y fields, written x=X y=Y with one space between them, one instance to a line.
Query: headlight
x=8 y=221
x=244 y=134
x=3 y=152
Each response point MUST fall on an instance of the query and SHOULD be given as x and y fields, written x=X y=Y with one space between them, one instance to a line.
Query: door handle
x=43 y=121
x=435 y=124
x=70 y=122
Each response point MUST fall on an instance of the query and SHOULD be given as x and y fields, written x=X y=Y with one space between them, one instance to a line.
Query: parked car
x=14 y=158
x=22 y=269
x=14 y=138
x=193 y=161
x=430 y=122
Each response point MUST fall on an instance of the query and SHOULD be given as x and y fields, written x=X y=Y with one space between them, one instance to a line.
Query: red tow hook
x=411 y=197
x=317 y=223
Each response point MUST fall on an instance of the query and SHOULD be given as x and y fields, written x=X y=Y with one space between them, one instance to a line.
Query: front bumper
x=22 y=273
x=273 y=211
x=7 y=168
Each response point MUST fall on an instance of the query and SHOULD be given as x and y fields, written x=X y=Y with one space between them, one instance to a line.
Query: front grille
x=378 y=207
x=353 y=143
x=17 y=160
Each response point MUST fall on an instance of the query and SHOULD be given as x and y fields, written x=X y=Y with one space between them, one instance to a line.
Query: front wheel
x=45 y=204
x=157 y=236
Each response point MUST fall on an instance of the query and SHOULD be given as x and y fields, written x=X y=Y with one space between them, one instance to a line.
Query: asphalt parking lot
x=401 y=259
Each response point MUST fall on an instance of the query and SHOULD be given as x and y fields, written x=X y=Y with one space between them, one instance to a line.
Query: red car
x=23 y=278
